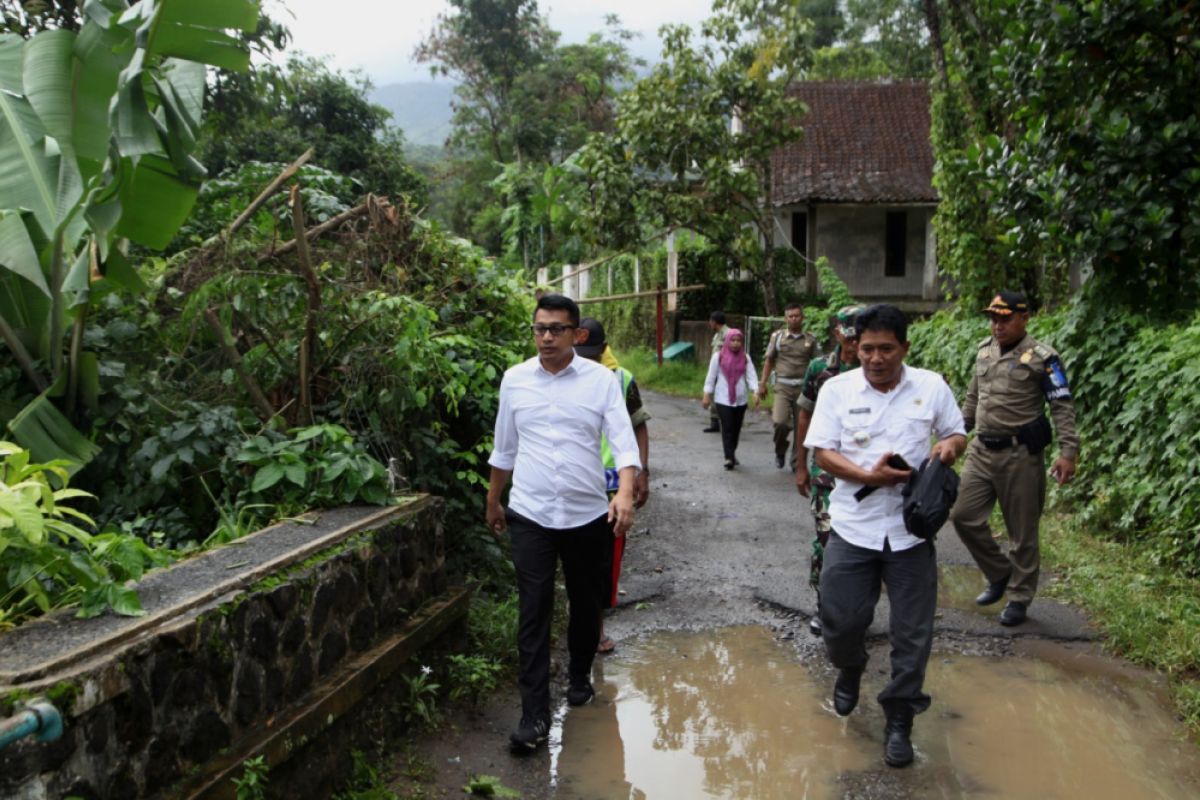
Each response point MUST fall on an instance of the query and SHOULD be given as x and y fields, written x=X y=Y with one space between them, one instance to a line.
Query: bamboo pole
x=632 y=295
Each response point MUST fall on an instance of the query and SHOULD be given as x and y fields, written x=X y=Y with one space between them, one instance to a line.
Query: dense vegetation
x=197 y=374
x=191 y=398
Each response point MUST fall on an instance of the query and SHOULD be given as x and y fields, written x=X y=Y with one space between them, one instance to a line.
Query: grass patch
x=678 y=378
x=1150 y=614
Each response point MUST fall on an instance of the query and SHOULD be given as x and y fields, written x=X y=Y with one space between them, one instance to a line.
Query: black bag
x=928 y=498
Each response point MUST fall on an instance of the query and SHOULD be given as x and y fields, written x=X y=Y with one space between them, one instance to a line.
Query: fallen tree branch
x=313 y=233
x=266 y=194
x=225 y=340
x=312 y=304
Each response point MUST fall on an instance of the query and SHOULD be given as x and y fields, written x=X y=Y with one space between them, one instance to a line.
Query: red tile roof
x=864 y=142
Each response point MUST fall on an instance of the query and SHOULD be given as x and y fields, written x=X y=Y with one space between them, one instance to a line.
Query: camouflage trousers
x=820 y=511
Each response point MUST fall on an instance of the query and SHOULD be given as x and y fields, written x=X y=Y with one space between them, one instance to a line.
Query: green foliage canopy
x=1066 y=138
x=694 y=138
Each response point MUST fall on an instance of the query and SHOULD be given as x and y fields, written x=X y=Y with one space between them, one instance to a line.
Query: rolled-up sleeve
x=618 y=428
x=825 y=428
x=504 y=445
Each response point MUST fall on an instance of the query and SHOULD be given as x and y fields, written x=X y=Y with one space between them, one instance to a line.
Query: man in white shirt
x=863 y=419
x=553 y=410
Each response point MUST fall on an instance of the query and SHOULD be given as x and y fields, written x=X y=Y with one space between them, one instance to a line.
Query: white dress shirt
x=548 y=435
x=862 y=424
x=716 y=385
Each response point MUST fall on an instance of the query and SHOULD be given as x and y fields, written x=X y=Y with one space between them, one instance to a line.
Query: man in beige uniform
x=1014 y=376
x=788 y=353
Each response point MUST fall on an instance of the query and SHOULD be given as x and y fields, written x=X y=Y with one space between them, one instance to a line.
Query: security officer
x=788 y=353
x=1014 y=377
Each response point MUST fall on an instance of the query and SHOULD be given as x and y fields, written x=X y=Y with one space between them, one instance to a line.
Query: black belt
x=997 y=442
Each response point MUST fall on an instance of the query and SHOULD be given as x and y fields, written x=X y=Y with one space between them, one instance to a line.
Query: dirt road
x=715 y=549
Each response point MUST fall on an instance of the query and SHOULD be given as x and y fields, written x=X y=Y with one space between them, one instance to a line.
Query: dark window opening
x=896 y=244
x=800 y=232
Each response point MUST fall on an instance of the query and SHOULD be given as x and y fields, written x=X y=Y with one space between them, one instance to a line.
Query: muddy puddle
x=733 y=714
x=959 y=585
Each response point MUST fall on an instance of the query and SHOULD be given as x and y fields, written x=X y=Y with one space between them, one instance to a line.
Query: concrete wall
x=853 y=238
x=256 y=648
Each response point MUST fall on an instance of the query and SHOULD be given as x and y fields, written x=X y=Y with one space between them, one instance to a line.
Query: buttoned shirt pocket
x=1022 y=373
x=918 y=426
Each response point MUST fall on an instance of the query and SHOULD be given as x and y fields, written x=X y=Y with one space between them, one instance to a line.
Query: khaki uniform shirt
x=1008 y=390
x=718 y=339
x=791 y=353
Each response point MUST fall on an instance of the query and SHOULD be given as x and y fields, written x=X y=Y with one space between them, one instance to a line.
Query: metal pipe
x=38 y=717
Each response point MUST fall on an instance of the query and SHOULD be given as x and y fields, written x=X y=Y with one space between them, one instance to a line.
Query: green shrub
x=47 y=560
x=319 y=466
x=1138 y=415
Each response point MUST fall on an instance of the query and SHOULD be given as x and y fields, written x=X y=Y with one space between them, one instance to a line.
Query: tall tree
x=276 y=113
x=485 y=46
x=694 y=138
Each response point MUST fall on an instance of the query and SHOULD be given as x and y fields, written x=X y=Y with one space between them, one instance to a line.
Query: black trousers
x=850 y=586
x=535 y=554
x=731 y=427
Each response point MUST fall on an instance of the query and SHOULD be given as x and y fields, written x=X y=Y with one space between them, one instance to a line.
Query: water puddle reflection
x=734 y=714
x=959 y=585
x=728 y=714
x=1020 y=727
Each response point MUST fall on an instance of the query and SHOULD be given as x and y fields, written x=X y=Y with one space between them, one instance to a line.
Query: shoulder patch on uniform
x=1054 y=379
x=985 y=342
x=1042 y=352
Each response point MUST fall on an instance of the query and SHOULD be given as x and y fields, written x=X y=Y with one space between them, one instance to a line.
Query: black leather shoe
x=993 y=592
x=1013 y=614
x=729 y=462
x=778 y=462
x=712 y=429
x=814 y=625
x=845 y=691
x=897 y=738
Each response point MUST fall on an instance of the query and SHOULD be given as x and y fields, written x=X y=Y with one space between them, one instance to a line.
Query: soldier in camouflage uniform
x=1015 y=377
x=811 y=480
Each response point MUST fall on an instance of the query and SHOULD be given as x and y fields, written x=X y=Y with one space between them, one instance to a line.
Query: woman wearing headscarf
x=731 y=382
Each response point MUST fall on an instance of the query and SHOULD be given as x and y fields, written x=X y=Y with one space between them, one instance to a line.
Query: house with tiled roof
x=858 y=188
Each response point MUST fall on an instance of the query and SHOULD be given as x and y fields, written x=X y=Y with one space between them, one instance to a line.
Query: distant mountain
x=420 y=108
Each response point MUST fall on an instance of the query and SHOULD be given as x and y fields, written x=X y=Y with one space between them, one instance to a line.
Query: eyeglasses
x=553 y=330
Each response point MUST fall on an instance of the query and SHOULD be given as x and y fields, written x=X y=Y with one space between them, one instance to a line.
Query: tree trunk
x=934 y=23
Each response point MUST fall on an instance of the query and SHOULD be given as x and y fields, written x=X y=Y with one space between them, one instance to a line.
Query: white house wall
x=853 y=239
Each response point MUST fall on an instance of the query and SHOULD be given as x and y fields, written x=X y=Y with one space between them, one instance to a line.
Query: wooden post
x=659 y=303
x=672 y=272
x=637 y=274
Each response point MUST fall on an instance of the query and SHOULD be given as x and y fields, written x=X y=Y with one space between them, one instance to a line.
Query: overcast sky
x=378 y=36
